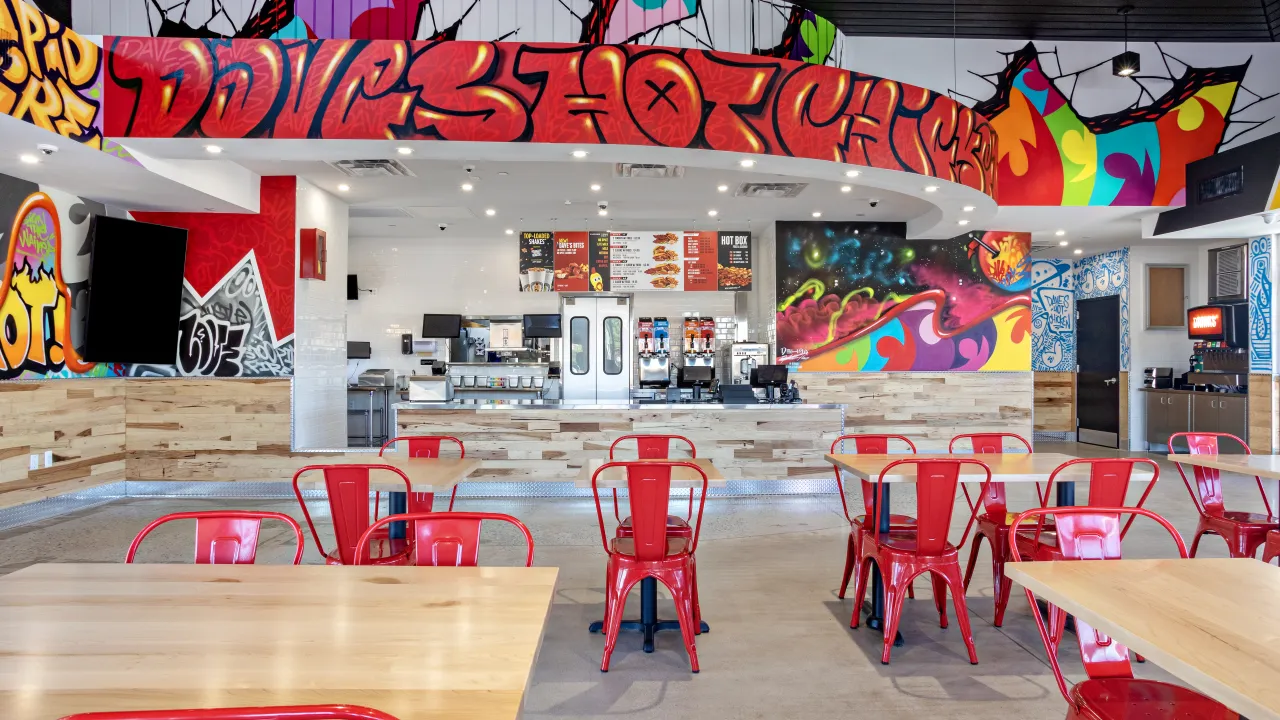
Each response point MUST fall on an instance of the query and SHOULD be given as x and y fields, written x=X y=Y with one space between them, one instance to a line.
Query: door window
x=579 y=345
x=612 y=346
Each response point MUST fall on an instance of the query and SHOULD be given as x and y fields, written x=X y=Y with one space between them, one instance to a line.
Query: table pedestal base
x=649 y=624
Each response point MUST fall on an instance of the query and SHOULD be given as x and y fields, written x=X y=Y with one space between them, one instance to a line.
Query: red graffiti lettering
x=663 y=96
x=249 y=80
x=456 y=99
x=734 y=91
x=810 y=114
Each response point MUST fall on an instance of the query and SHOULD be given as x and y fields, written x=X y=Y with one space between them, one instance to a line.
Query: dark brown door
x=1098 y=371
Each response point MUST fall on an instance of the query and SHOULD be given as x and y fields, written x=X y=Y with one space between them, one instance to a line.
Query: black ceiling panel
x=1151 y=20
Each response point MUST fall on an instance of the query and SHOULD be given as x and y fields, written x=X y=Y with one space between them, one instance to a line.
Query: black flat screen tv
x=353 y=288
x=135 y=292
x=542 y=326
x=359 y=350
x=441 y=326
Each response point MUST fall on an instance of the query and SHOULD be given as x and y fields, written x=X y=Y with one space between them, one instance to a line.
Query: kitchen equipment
x=430 y=388
x=539 y=381
x=513 y=381
x=469 y=380
x=1228 y=324
x=1157 y=377
x=505 y=336
x=745 y=357
x=526 y=381
x=377 y=377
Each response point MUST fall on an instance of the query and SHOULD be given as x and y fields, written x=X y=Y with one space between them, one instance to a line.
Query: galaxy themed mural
x=861 y=297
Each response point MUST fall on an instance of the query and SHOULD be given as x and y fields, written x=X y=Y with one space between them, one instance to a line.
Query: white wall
x=319 y=374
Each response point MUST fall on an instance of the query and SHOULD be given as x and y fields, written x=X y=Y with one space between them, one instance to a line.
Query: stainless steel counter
x=575 y=406
x=1193 y=392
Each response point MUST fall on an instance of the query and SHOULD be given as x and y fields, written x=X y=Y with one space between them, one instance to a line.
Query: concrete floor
x=769 y=567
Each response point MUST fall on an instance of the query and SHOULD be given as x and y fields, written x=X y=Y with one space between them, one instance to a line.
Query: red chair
x=1108 y=486
x=1271 y=550
x=448 y=539
x=1243 y=532
x=348 y=490
x=1110 y=692
x=296 y=712
x=867 y=445
x=993 y=521
x=423 y=446
x=651 y=552
x=655 y=447
x=902 y=557
x=224 y=537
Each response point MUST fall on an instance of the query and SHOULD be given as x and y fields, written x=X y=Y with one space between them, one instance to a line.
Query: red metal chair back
x=296 y=712
x=1108 y=483
x=1207 y=492
x=223 y=537
x=652 y=447
x=936 y=482
x=864 y=444
x=422 y=446
x=348 y=490
x=994 y=501
x=1088 y=533
x=448 y=539
x=648 y=490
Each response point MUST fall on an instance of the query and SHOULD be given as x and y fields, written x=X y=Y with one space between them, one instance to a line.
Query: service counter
x=551 y=442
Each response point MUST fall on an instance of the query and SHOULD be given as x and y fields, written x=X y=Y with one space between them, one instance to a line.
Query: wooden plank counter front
x=549 y=443
x=420 y=643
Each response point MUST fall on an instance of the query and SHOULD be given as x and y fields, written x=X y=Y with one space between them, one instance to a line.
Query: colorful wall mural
x=774 y=28
x=1261 y=328
x=1052 y=154
x=1053 y=316
x=237 y=295
x=505 y=92
x=860 y=297
x=1103 y=275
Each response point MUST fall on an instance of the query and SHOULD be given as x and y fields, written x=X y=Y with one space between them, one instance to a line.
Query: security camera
x=873 y=202
x=47 y=149
x=443 y=226
x=603 y=204
x=469 y=169
x=1270 y=217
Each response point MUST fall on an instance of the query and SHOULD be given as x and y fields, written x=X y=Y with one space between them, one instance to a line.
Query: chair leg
x=621 y=588
x=682 y=595
x=951 y=574
x=894 y=594
x=860 y=590
x=973 y=559
x=939 y=584
x=1057 y=626
x=1003 y=586
x=1195 y=543
x=850 y=557
x=697 y=608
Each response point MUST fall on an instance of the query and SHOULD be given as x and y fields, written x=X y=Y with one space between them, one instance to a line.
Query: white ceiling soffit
x=436 y=213
x=1249 y=226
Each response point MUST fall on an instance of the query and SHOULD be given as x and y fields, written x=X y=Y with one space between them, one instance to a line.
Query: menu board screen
x=536 y=261
x=733 y=260
x=686 y=260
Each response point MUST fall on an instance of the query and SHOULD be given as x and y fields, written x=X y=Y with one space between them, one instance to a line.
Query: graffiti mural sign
x=49 y=75
x=1053 y=316
x=512 y=92
x=859 y=296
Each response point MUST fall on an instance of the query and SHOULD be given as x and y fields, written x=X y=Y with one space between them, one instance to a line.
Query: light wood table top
x=681 y=477
x=1267 y=466
x=425 y=474
x=1005 y=467
x=1212 y=623
x=419 y=643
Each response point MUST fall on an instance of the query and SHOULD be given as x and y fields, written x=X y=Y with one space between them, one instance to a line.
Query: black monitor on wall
x=353 y=288
x=359 y=350
x=135 y=292
x=542 y=326
x=441 y=326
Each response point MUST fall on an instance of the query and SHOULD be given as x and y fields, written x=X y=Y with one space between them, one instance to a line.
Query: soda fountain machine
x=653 y=340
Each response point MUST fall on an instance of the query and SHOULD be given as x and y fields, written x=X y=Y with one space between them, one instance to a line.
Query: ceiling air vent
x=1226 y=274
x=643 y=170
x=770 y=190
x=379 y=212
x=372 y=168
x=1041 y=247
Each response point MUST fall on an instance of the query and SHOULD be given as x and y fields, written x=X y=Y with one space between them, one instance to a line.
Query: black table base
x=649 y=624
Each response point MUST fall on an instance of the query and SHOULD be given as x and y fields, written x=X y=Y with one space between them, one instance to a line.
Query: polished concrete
x=780 y=645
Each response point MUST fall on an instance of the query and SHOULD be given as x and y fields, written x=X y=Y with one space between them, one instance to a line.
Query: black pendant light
x=1128 y=62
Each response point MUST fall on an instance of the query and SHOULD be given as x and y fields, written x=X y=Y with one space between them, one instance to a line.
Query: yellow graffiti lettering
x=50 y=75
x=77 y=113
x=53 y=64
x=81 y=57
x=39 y=296
x=33 y=33
x=40 y=104
x=15 y=330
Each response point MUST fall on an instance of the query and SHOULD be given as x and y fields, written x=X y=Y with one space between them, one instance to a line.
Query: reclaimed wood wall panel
x=1055 y=401
x=552 y=444
x=80 y=421
x=1260 y=425
x=930 y=408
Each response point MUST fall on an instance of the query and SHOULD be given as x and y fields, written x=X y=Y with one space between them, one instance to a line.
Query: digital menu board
x=685 y=260
x=733 y=261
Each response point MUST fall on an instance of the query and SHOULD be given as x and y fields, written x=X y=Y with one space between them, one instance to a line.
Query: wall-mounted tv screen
x=353 y=288
x=135 y=292
x=441 y=326
x=359 y=350
x=542 y=326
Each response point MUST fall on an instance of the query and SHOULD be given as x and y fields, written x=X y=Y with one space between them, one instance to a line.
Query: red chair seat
x=1128 y=699
x=1252 y=520
x=382 y=551
x=676 y=525
x=627 y=546
x=907 y=544
x=896 y=522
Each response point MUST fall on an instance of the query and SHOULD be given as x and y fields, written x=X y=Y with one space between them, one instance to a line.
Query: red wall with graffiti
x=514 y=92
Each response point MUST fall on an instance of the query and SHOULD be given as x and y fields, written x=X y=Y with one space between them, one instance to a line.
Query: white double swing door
x=597 y=357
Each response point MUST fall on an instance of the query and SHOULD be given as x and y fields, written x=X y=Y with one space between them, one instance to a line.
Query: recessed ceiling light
x=602 y=212
x=964 y=222
x=1078 y=251
x=817 y=214
x=212 y=149
x=579 y=154
x=713 y=213
x=1060 y=233
x=722 y=188
x=29 y=158
x=851 y=173
x=503 y=173
x=1063 y=243
x=344 y=187
x=846 y=188
x=510 y=231
x=468 y=187
x=595 y=187
x=490 y=212
x=968 y=208
x=931 y=188
x=747 y=162
x=404 y=150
